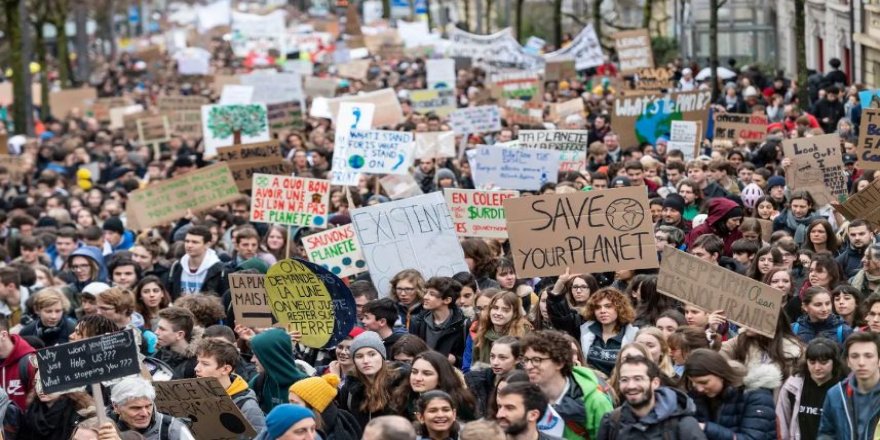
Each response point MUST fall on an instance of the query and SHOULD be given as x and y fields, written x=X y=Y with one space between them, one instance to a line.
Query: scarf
x=863 y=279
x=798 y=225
x=54 y=422
x=491 y=336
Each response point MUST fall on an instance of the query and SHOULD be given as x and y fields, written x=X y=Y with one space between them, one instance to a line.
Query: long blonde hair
x=665 y=363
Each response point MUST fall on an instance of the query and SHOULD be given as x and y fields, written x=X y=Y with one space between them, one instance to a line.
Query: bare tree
x=800 y=31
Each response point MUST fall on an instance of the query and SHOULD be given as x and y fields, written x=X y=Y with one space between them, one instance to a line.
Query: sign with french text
x=292 y=201
x=478 y=213
x=336 y=250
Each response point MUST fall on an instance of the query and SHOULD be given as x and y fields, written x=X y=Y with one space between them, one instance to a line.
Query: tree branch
x=574 y=18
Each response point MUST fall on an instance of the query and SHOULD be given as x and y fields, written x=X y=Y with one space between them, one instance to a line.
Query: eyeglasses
x=536 y=361
x=584 y=287
x=79 y=267
x=405 y=289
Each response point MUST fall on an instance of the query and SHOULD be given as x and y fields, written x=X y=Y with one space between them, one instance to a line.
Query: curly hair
x=94 y=325
x=207 y=309
x=554 y=345
x=621 y=304
x=412 y=276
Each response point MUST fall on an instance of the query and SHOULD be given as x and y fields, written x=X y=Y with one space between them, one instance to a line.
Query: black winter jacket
x=452 y=333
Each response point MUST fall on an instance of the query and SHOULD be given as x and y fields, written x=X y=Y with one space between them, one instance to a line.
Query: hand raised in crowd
x=716 y=319
x=244 y=333
x=559 y=287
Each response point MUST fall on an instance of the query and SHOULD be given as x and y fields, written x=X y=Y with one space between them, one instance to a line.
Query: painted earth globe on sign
x=624 y=214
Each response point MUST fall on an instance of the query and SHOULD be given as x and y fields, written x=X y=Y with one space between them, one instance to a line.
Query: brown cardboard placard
x=170 y=199
x=4 y=144
x=868 y=149
x=655 y=79
x=560 y=111
x=388 y=112
x=354 y=69
x=16 y=165
x=62 y=102
x=250 y=305
x=353 y=27
x=766 y=229
x=749 y=127
x=595 y=231
x=285 y=117
x=203 y=401
x=153 y=130
x=102 y=106
x=254 y=151
x=129 y=123
x=186 y=122
x=633 y=50
x=628 y=109
x=558 y=70
x=710 y=287
x=243 y=171
x=314 y=86
x=864 y=204
x=181 y=102
x=817 y=167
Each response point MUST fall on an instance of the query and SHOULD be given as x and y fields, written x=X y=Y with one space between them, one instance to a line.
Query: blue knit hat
x=283 y=416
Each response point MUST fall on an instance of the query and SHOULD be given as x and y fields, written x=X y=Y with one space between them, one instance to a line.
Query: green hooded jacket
x=275 y=353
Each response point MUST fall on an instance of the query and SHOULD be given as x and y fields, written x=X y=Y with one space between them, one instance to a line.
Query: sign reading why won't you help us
x=710 y=287
x=75 y=364
x=595 y=231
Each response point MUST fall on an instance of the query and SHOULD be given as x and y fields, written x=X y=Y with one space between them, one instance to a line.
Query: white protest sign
x=434 y=144
x=351 y=116
x=584 y=49
x=336 y=250
x=441 y=73
x=274 y=88
x=380 y=151
x=683 y=137
x=236 y=94
x=514 y=168
x=561 y=140
x=218 y=13
x=480 y=119
x=193 y=61
x=478 y=213
x=414 y=233
x=400 y=186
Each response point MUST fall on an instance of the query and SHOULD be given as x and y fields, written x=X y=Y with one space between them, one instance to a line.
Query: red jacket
x=10 y=372
x=718 y=209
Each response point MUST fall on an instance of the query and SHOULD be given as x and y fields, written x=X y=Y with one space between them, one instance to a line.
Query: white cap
x=96 y=288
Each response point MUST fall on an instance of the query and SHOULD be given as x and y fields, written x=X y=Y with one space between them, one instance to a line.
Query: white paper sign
x=514 y=168
x=400 y=186
x=414 y=233
x=380 y=151
x=236 y=94
x=274 y=88
x=481 y=119
x=351 y=116
x=584 y=49
x=683 y=137
x=441 y=73
x=336 y=250
x=435 y=144
x=193 y=61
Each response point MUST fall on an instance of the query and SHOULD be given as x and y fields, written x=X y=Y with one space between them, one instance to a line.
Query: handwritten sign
x=293 y=201
x=336 y=250
x=243 y=171
x=524 y=86
x=301 y=301
x=439 y=101
x=170 y=199
x=351 y=116
x=558 y=70
x=435 y=144
x=256 y=150
x=154 y=130
x=441 y=73
x=274 y=88
x=177 y=103
x=380 y=152
x=284 y=118
x=710 y=287
x=749 y=127
x=249 y=303
x=560 y=140
x=633 y=50
x=102 y=106
x=645 y=117
x=595 y=231
x=395 y=235
x=480 y=119
x=514 y=168
x=75 y=364
x=388 y=111
x=186 y=122
x=225 y=125
x=400 y=186
x=205 y=403
x=478 y=213
x=558 y=112
x=864 y=204
x=817 y=167
x=684 y=137
x=319 y=87
x=868 y=150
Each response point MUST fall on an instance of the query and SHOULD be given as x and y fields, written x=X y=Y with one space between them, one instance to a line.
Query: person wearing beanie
x=116 y=237
x=620 y=182
x=673 y=213
x=367 y=392
x=319 y=394
x=290 y=422
x=445 y=178
x=343 y=366
x=723 y=220
x=273 y=354
x=776 y=189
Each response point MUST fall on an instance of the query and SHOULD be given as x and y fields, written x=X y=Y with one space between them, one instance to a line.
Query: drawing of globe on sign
x=624 y=214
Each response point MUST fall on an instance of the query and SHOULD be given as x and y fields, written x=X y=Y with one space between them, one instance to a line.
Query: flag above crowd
x=343 y=220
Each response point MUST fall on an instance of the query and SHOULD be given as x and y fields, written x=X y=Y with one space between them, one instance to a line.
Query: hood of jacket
x=668 y=403
x=767 y=376
x=275 y=352
x=719 y=207
x=94 y=254
x=20 y=348
x=832 y=322
x=238 y=385
x=210 y=259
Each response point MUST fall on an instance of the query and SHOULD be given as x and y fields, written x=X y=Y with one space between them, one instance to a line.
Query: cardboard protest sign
x=4 y=143
x=388 y=111
x=287 y=200
x=524 y=86
x=558 y=70
x=380 y=152
x=633 y=50
x=243 y=171
x=249 y=302
x=350 y=116
x=514 y=168
x=205 y=403
x=684 y=136
x=710 y=287
x=225 y=125
x=285 y=117
x=414 y=233
x=154 y=130
x=400 y=186
x=655 y=79
x=864 y=204
x=323 y=87
x=169 y=200
x=441 y=102
x=17 y=166
x=61 y=102
x=749 y=127
x=558 y=112
x=257 y=150
x=168 y=104
x=585 y=49
x=478 y=213
x=433 y=144
x=486 y=118
x=301 y=301
x=117 y=115
x=518 y=111
x=102 y=106
x=72 y=365
x=354 y=69
x=186 y=122
x=560 y=140
x=441 y=73
x=646 y=117
x=336 y=250
x=817 y=167
x=595 y=231
x=868 y=149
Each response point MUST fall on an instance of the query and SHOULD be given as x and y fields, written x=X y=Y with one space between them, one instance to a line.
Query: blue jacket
x=839 y=414
x=743 y=415
x=834 y=328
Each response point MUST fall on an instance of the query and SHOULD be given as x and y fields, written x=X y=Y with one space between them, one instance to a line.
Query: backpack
x=797 y=326
x=669 y=426
x=12 y=420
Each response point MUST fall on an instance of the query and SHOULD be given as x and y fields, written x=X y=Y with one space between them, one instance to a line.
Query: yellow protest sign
x=300 y=300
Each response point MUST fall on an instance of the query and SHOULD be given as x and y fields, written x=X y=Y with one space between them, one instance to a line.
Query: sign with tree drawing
x=225 y=125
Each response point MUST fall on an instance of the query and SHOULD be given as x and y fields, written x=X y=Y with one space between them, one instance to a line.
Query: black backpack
x=669 y=426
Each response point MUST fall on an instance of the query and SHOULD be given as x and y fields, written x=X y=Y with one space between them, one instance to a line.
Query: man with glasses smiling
x=573 y=392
